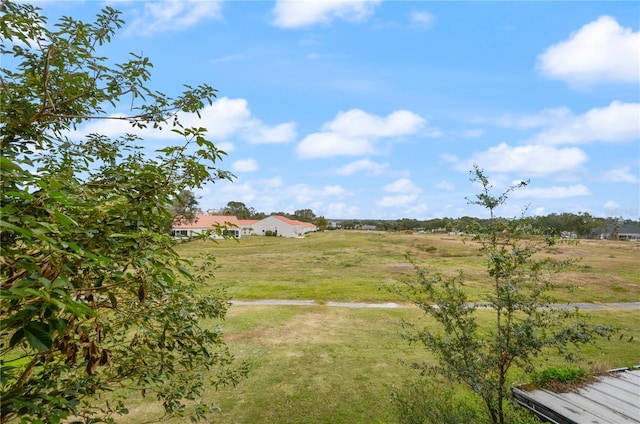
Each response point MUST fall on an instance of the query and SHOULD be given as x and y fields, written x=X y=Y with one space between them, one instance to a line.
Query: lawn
x=357 y=265
x=322 y=364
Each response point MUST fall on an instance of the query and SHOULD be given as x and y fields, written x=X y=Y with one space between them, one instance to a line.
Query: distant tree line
x=581 y=224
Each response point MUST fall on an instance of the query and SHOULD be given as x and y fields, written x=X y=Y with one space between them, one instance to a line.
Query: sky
x=370 y=109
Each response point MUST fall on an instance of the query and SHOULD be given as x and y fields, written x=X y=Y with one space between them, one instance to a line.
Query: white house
x=282 y=227
x=274 y=224
x=203 y=222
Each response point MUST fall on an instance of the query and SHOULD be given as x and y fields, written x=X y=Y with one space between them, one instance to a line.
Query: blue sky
x=379 y=109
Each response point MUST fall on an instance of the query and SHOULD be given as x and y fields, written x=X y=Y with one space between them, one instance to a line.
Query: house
x=204 y=222
x=274 y=224
x=617 y=232
x=282 y=227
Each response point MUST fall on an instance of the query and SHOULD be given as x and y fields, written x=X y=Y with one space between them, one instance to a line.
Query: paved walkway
x=393 y=305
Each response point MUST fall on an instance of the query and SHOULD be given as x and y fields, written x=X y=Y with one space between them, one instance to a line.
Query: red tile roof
x=294 y=222
x=208 y=221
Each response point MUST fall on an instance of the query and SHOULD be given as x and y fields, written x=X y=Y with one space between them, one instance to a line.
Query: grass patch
x=321 y=364
x=353 y=265
x=561 y=379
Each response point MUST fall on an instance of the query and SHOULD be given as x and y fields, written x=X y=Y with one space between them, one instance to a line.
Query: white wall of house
x=282 y=227
x=193 y=232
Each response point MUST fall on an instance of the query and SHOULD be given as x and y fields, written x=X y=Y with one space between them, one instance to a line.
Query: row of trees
x=241 y=211
x=582 y=223
x=185 y=205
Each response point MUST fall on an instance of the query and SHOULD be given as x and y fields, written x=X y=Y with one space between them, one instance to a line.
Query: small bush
x=427 y=402
x=561 y=378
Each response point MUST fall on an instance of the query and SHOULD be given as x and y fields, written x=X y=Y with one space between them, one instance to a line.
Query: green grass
x=320 y=364
x=356 y=265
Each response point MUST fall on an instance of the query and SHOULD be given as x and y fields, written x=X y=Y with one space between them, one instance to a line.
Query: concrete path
x=393 y=305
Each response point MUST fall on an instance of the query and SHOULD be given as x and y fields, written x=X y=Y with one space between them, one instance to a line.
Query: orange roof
x=208 y=221
x=294 y=222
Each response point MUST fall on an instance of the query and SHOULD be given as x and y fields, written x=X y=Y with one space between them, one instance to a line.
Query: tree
x=523 y=325
x=304 y=215
x=322 y=223
x=237 y=209
x=184 y=206
x=93 y=295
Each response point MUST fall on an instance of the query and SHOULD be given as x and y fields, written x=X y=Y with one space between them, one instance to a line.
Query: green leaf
x=65 y=220
x=37 y=334
x=113 y=300
x=17 y=336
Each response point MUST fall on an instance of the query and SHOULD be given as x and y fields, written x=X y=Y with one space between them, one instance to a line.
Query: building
x=617 y=232
x=282 y=227
x=610 y=399
x=222 y=224
x=219 y=225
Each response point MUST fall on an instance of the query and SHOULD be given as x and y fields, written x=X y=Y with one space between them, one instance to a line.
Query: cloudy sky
x=379 y=109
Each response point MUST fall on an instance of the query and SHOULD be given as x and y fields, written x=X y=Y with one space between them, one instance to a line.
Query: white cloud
x=172 y=15
x=407 y=193
x=225 y=146
x=304 y=194
x=445 y=185
x=355 y=132
x=358 y=123
x=362 y=165
x=448 y=158
x=552 y=192
x=617 y=122
x=422 y=19
x=261 y=134
x=274 y=194
x=274 y=182
x=402 y=185
x=225 y=118
x=297 y=14
x=402 y=200
x=601 y=51
x=325 y=145
x=620 y=175
x=611 y=205
x=526 y=160
x=545 y=118
x=245 y=165
x=341 y=210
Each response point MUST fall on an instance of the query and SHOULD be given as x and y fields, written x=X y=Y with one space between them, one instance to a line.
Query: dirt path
x=393 y=305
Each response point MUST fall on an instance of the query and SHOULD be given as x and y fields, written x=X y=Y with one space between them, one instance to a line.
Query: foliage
x=94 y=297
x=184 y=206
x=321 y=222
x=304 y=215
x=429 y=402
x=524 y=325
x=237 y=209
x=548 y=377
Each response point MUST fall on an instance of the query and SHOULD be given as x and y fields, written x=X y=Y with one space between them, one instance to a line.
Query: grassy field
x=356 y=265
x=321 y=364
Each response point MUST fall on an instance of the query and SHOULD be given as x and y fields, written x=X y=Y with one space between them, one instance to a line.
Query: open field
x=356 y=265
x=321 y=364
